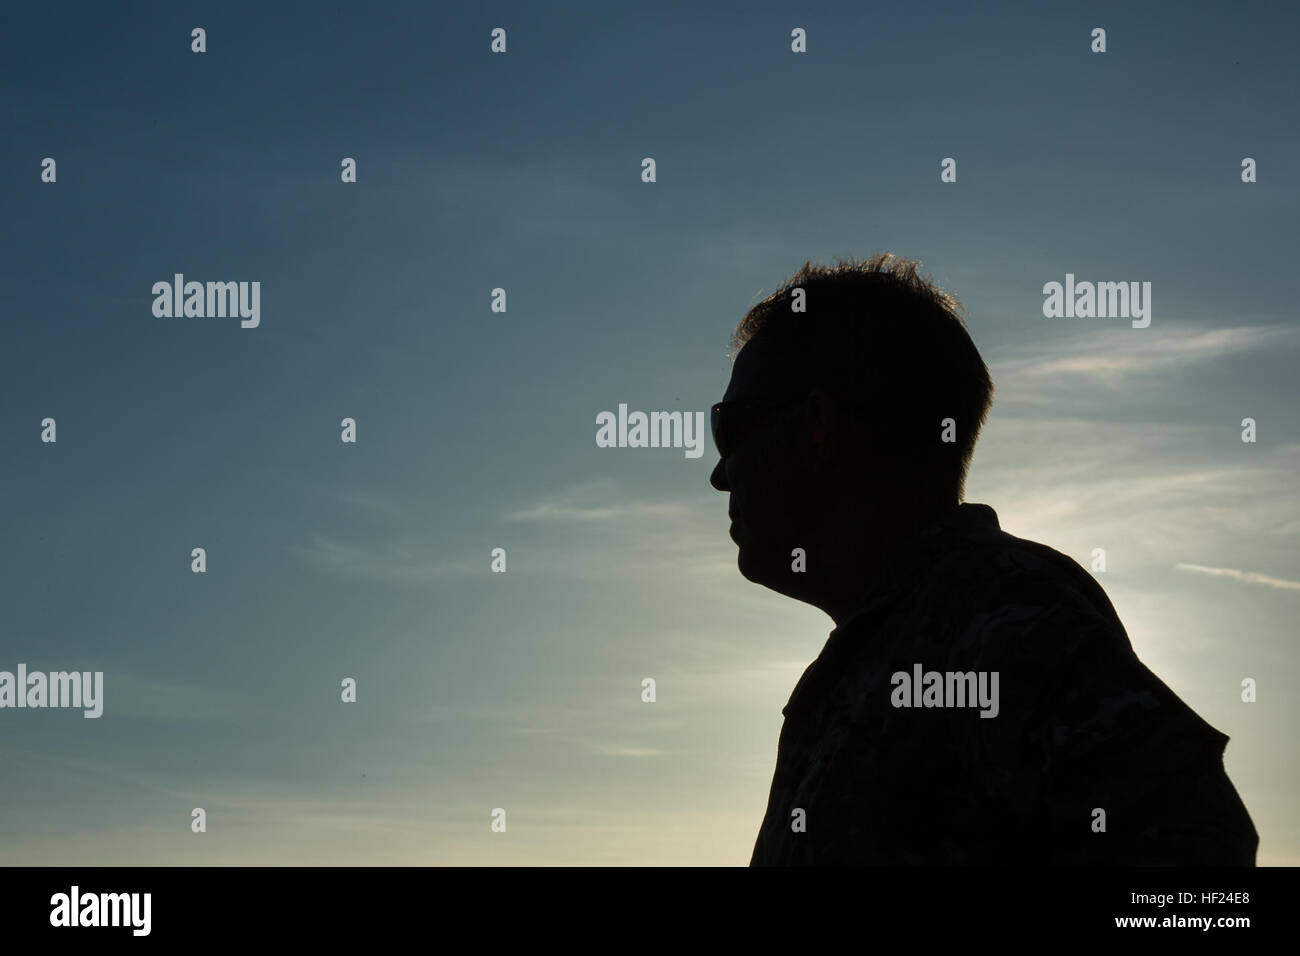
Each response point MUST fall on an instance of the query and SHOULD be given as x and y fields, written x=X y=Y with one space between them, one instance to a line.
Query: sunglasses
x=728 y=419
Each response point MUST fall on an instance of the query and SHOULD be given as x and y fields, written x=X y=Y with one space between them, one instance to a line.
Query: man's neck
x=868 y=556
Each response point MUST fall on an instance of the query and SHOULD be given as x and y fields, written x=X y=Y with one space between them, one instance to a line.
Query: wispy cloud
x=560 y=511
x=147 y=698
x=578 y=503
x=368 y=502
x=1135 y=351
x=1159 y=494
x=617 y=750
x=1246 y=577
x=395 y=561
x=604 y=748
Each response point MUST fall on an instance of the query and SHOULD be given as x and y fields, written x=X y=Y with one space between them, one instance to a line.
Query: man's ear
x=821 y=411
x=822 y=425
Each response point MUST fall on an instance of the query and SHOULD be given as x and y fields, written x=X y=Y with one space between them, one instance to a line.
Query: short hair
x=878 y=334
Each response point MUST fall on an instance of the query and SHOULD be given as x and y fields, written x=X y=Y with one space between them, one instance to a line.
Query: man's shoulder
x=990 y=576
x=1002 y=603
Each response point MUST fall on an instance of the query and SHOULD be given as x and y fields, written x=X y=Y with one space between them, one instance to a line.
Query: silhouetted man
x=978 y=701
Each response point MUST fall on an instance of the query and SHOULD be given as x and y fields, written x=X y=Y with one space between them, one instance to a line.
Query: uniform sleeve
x=1091 y=757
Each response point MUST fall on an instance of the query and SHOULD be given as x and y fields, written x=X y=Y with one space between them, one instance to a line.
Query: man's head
x=833 y=425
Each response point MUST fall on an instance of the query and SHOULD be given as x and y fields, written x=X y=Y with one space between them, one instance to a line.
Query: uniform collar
x=892 y=584
x=937 y=536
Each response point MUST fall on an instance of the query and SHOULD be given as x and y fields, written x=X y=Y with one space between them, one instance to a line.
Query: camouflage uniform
x=1082 y=724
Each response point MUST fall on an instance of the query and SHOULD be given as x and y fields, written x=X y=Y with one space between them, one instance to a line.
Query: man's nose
x=719 y=477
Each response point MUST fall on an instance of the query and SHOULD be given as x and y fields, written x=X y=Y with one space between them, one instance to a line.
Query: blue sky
x=476 y=429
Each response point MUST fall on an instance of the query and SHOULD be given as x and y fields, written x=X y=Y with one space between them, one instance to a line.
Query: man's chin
x=757 y=568
x=744 y=559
